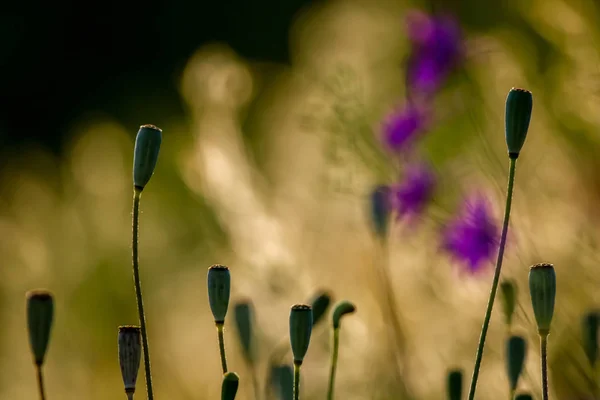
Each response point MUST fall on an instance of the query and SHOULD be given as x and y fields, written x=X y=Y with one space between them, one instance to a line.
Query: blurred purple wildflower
x=473 y=237
x=410 y=197
x=437 y=48
x=402 y=127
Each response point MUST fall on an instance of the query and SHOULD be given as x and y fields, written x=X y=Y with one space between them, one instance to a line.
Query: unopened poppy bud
x=40 y=312
x=519 y=104
x=455 y=384
x=508 y=292
x=320 y=303
x=524 y=396
x=229 y=388
x=301 y=320
x=380 y=209
x=282 y=379
x=219 y=287
x=243 y=313
x=145 y=156
x=590 y=336
x=542 y=287
x=341 y=309
x=130 y=354
x=516 y=348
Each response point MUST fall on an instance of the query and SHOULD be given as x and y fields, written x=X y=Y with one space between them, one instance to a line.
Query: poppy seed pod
x=519 y=104
x=282 y=380
x=589 y=330
x=508 y=291
x=40 y=313
x=301 y=318
x=229 y=388
x=243 y=314
x=380 y=209
x=130 y=354
x=320 y=303
x=524 y=396
x=219 y=287
x=516 y=348
x=455 y=382
x=145 y=155
x=341 y=309
x=542 y=287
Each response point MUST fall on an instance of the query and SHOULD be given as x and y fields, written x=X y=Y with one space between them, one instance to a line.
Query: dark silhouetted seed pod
x=516 y=349
x=508 y=292
x=519 y=104
x=320 y=304
x=244 y=319
x=130 y=354
x=229 y=388
x=524 y=396
x=342 y=308
x=455 y=384
x=542 y=287
x=301 y=319
x=145 y=156
x=589 y=330
x=282 y=379
x=380 y=210
x=219 y=288
x=40 y=313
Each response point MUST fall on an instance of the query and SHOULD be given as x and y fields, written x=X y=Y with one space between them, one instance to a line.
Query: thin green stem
x=490 y=305
x=544 y=357
x=297 y=365
x=40 y=381
x=512 y=394
x=220 y=329
x=137 y=193
x=255 y=384
x=334 y=358
x=129 y=395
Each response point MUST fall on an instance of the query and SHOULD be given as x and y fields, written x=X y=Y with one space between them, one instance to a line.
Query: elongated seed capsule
x=508 y=290
x=542 y=287
x=519 y=104
x=243 y=314
x=40 y=313
x=380 y=210
x=516 y=349
x=301 y=320
x=219 y=288
x=455 y=384
x=130 y=354
x=145 y=155
x=229 y=388
x=320 y=303
x=589 y=329
x=524 y=396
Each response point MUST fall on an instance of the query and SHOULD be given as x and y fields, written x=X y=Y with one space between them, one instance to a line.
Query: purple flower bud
x=402 y=127
x=473 y=236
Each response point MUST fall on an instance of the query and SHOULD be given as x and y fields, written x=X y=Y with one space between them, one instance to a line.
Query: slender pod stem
x=220 y=329
x=334 y=358
x=490 y=305
x=255 y=384
x=137 y=193
x=544 y=361
x=297 y=365
x=512 y=395
x=130 y=396
x=40 y=380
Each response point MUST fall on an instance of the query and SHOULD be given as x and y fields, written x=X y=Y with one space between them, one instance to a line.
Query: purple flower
x=437 y=48
x=410 y=197
x=402 y=127
x=473 y=236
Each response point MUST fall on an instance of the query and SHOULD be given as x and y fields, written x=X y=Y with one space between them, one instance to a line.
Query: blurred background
x=272 y=115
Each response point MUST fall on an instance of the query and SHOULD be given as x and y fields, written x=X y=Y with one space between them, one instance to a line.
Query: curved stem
x=220 y=330
x=297 y=379
x=40 y=380
x=544 y=356
x=490 y=305
x=334 y=358
x=255 y=384
x=137 y=193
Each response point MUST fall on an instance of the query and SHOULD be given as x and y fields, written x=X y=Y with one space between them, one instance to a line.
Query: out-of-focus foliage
x=271 y=175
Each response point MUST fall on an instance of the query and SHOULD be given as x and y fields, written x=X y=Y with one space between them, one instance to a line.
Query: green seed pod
x=516 y=348
x=40 y=312
x=229 y=388
x=219 y=287
x=342 y=308
x=542 y=287
x=130 y=354
x=145 y=156
x=301 y=318
x=380 y=210
x=519 y=104
x=320 y=303
x=282 y=379
x=243 y=313
x=455 y=384
x=590 y=336
x=508 y=290
x=524 y=396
